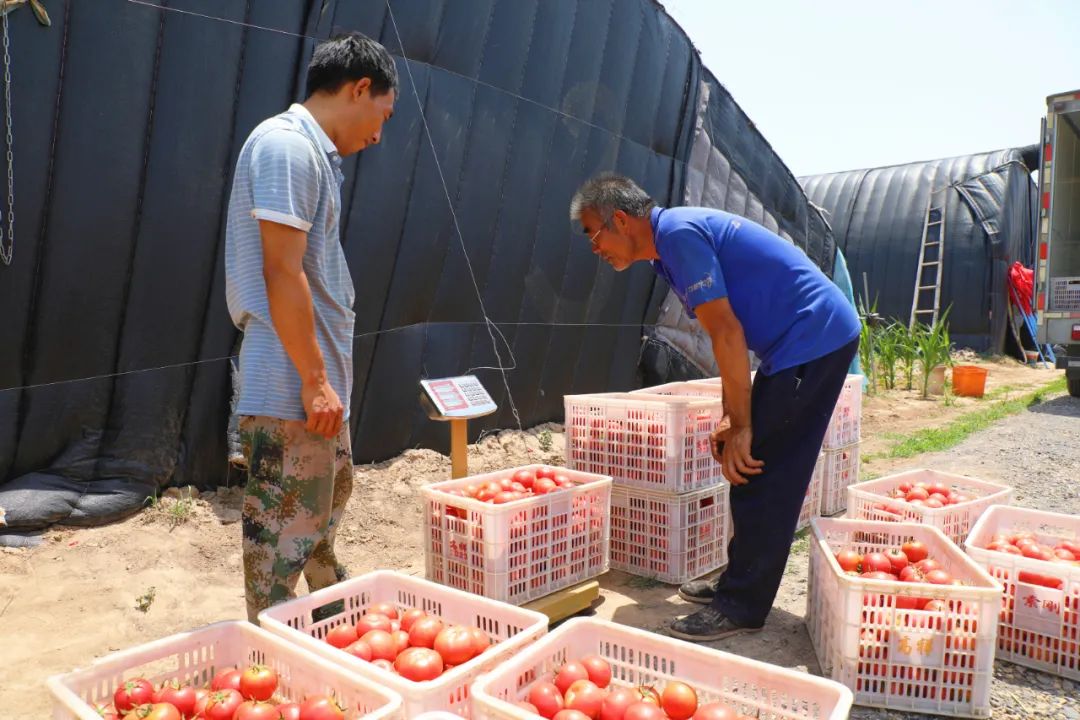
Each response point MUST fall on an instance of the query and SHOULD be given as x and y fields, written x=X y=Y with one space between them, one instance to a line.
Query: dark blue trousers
x=790 y=412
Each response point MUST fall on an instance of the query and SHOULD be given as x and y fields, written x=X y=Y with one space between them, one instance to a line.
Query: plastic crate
x=643 y=658
x=651 y=442
x=869 y=501
x=811 y=507
x=522 y=550
x=841 y=468
x=932 y=661
x=671 y=538
x=194 y=657
x=510 y=628
x=1042 y=629
x=845 y=425
x=695 y=388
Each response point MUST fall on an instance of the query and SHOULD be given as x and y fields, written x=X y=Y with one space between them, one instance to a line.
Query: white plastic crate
x=1039 y=626
x=510 y=629
x=845 y=425
x=932 y=661
x=869 y=501
x=671 y=538
x=841 y=468
x=642 y=658
x=518 y=551
x=651 y=442
x=194 y=657
x=811 y=507
x=693 y=388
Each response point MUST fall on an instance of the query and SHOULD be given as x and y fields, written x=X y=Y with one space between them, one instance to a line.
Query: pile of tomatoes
x=233 y=694
x=911 y=562
x=581 y=690
x=1026 y=544
x=934 y=494
x=521 y=485
x=412 y=644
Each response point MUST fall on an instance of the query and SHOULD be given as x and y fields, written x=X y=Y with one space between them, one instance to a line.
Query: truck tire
x=1074 y=387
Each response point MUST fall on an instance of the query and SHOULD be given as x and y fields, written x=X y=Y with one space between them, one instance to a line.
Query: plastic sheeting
x=877 y=218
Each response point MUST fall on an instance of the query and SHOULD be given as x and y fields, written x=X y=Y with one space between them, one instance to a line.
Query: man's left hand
x=731 y=448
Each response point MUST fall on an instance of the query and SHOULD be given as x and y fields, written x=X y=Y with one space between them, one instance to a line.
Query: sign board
x=456 y=398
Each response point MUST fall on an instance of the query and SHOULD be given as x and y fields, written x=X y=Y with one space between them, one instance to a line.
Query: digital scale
x=456 y=400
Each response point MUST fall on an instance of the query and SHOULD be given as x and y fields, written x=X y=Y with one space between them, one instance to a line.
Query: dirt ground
x=74 y=598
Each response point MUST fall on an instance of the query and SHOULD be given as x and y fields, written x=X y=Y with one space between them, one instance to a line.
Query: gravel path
x=1038 y=453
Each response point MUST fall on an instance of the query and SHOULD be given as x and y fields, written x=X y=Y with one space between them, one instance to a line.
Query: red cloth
x=1023 y=283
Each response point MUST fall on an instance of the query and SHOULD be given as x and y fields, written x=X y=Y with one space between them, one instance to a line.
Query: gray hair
x=607 y=193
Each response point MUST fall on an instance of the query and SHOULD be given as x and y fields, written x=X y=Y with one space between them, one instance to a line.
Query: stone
x=230 y=516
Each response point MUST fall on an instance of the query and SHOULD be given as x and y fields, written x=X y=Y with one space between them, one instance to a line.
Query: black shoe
x=698 y=591
x=328 y=611
x=706 y=625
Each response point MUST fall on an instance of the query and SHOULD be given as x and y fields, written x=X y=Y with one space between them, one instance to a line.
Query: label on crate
x=1038 y=608
x=917 y=646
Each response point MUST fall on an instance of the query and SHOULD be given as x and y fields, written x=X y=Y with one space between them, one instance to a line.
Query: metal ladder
x=926 y=301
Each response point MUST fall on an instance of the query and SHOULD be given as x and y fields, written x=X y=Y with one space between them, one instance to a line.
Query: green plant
x=867 y=342
x=545 y=440
x=144 y=601
x=934 y=349
x=889 y=341
x=908 y=353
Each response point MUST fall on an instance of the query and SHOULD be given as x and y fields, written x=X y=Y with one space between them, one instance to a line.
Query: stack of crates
x=840 y=450
x=669 y=501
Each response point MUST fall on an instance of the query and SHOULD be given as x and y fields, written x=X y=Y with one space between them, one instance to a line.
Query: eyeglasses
x=592 y=240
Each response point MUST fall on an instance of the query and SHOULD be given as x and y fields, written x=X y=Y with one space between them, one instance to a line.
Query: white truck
x=1057 y=273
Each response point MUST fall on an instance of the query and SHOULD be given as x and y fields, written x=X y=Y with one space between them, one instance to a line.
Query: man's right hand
x=323 y=407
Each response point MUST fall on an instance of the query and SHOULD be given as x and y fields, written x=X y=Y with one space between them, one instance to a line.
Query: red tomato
x=939 y=577
x=616 y=702
x=481 y=641
x=340 y=636
x=182 y=698
x=915 y=550
x=401 y=640
x=876 y=562
x=505 y=497
x=526 y=477
x=424 y=631
x=564 y=481
x=917 y=494
x=360 y=649
x=222 y=704
x=133 y=693
x=849 y=560
x=938 y=487
x=643 y=711
x=289 y=711
x=569 y=674
x=911 y=573
x=1044 y=580
x=382 y=644
x=321 y=707
x=897 y=558
x=934 y=503
x=546 y=698
x=1063 y=554
x=156 y=711
x=410 y=617
x=546 y=471
x=258 y=682
x=878 y=575
x=679 y=701
x=570 y=715
x=384 y=608
x=904 y=487
x=419 y=664
x=715 y=711
x=904 y=602
x=927 y=565
x=936 y=606
x=585 y=697
x=455 y=644
x=372 y=621
x=544 y=486
x=253 y=710
x=488 y=491
x=1072 y=546
x=599 y=670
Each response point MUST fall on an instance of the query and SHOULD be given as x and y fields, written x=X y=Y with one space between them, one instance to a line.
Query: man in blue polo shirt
x=751 y=290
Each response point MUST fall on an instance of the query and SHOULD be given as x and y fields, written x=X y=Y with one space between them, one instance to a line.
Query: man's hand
x=323 y=407
x=731 y=448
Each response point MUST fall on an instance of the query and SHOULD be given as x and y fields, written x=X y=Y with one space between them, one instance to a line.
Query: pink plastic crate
x=845 y=426
x=930 y=661
x=638 y=658
x=841 y=468
x=195 y=657
x=650 y=442
x=509 y=627
x=811 y=507
x=671 y=538
x=869 y=501
x=1040 y=610
x=518 y=551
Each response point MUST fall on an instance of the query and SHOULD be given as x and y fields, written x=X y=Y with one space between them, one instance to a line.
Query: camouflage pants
x=298 y=484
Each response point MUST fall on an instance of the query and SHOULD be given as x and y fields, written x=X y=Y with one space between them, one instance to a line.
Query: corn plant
x=890 y=340
x=934 y=349
x=908 y=352
x=867 y=342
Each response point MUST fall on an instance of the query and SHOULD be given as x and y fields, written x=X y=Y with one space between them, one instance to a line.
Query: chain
x=7 y=254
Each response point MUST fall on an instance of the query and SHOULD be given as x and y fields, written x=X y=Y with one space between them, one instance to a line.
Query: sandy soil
x=74 y=598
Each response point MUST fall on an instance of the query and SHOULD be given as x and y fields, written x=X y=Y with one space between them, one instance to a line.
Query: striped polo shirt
x=288 y=172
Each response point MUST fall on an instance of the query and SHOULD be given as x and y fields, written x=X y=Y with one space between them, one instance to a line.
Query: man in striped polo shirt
x=289 y=290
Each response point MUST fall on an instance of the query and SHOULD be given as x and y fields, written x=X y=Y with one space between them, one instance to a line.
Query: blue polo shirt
x=791 y=313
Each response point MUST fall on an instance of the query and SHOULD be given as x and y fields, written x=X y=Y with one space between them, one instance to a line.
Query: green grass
x=953 y=432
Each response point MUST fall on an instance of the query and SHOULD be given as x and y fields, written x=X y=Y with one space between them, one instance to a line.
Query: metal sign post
x=456 y=400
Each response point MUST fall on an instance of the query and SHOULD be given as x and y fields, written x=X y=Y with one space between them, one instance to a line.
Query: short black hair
x=348 y=58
